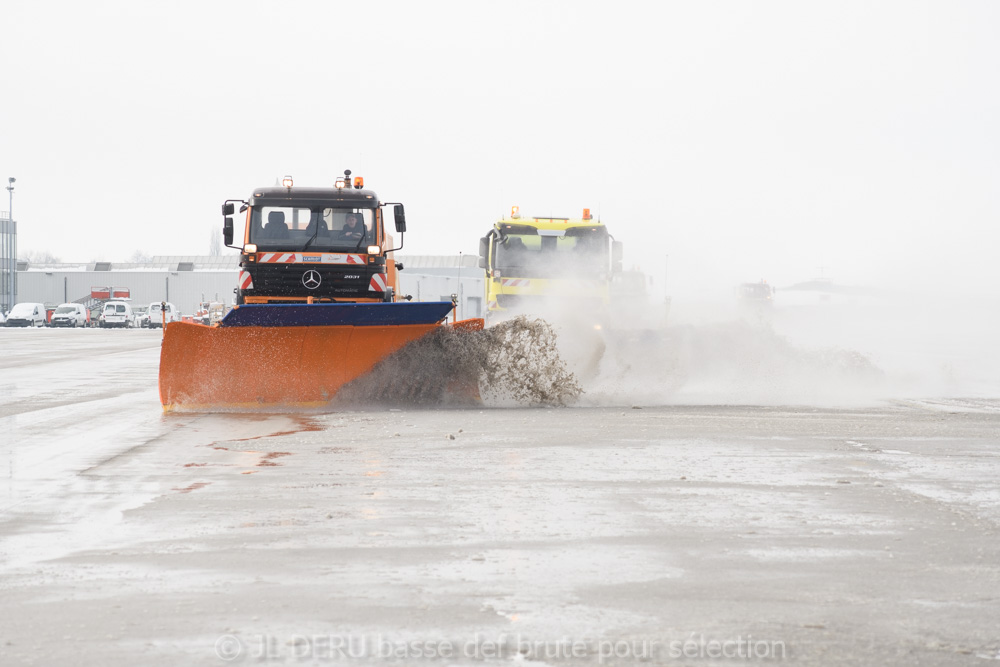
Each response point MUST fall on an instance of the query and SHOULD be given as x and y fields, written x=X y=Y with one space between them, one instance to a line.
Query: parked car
x=156 y=312
x=141 y=314
x=70 y=315
x=26 y=315
x=117 y=314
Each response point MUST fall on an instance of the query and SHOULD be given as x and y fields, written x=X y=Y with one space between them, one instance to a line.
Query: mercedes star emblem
x=311 y=279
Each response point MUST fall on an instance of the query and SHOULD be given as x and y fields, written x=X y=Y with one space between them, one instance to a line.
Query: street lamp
x=10 y=189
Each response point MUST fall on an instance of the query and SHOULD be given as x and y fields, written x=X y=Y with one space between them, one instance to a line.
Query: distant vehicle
x=141 y=316
x=823 y=292
x=209 y=313
x=2 y=318
x=70 y=315
x=155 y=314
x=26 y=315
x=756 y=292
x=117 y=314
x=216 y=311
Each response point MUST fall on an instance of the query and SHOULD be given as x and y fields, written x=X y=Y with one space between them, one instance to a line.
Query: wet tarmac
x=628 y=534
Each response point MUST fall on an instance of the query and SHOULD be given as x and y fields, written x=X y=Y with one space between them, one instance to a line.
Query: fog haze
x=775 y=140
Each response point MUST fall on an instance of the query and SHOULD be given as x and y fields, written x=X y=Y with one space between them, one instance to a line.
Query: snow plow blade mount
x=294 y=355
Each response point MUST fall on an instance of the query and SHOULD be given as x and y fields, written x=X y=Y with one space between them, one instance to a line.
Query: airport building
x=188 y=280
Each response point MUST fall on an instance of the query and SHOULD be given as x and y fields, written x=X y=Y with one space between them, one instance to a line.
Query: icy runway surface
x=586 y=535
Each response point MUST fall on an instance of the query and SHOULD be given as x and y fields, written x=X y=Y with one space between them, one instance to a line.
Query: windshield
x=112 y=308
x=566 y=253
x=62 y=310
x=312 y=228
x=22 y=309
x=154 y=308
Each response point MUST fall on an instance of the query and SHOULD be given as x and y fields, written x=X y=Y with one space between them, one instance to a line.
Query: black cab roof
x=307 y=195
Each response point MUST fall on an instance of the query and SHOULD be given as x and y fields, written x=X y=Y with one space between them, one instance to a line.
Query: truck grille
x=286 y=280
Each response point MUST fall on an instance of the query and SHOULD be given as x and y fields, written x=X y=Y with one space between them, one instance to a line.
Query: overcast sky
x=745 y=140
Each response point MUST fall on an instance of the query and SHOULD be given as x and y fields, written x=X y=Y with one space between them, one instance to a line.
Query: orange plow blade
x=204 y=367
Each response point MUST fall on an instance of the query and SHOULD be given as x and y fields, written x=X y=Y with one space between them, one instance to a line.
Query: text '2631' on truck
x=316 y=303
x=537 y=265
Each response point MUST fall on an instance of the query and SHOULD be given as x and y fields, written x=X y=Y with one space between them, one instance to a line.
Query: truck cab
x=534 y=264
x=315 y=244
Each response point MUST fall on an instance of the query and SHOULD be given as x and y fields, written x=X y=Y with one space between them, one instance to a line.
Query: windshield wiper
x=312 y=238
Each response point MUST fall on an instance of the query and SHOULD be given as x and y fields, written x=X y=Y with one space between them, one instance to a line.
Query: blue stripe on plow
x=336 y=314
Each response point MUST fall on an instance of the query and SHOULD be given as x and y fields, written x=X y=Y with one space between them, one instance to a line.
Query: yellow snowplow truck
x=538 y=265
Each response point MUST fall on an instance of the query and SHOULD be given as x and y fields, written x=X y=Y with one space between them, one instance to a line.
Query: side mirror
x=484 y=246
x=400 y=218
x=616 y=256
x=228 y=209
x=482 y=262
x=227 y=229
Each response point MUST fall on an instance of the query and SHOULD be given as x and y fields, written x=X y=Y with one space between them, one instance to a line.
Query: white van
x=26 y=315
x=117 y=314
x=70 y=315
x=156 y=312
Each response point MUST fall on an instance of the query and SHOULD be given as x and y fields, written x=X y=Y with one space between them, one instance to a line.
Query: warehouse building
x=186 y=281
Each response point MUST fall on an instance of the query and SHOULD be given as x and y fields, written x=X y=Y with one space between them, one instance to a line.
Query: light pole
x=11 y=244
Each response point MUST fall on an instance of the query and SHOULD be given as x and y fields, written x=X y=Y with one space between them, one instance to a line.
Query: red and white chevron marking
x=515 y=282
x=276 y=257
x=308 y=258
x=377 y=283
x=245 y=281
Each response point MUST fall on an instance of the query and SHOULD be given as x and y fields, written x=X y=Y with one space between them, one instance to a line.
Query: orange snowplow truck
x=316 y=304
x=309 y=245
